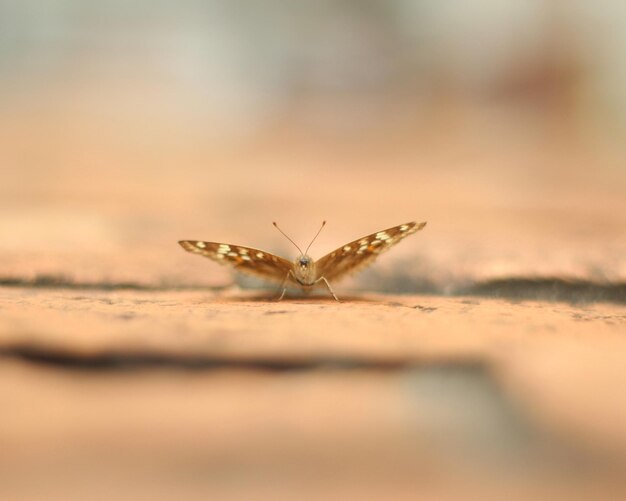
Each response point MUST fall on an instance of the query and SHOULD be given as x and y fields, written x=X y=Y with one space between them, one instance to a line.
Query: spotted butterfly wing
x=362 y=252
x=245 y=259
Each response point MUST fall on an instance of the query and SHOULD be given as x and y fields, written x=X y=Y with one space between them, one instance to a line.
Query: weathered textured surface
x=154 y=395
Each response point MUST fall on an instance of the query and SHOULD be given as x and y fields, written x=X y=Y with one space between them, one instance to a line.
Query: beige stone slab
x=238 y=325
x=231 y=395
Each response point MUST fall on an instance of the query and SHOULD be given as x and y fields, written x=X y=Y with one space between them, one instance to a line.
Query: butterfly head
x=303 y=262
x=304 y=269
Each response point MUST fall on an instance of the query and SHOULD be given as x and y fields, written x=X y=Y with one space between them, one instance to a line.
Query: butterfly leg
x=332 y=293
x=284 y=285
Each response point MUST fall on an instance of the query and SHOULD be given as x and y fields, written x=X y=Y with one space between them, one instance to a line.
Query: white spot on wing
x=202 y=245
x=260 y=255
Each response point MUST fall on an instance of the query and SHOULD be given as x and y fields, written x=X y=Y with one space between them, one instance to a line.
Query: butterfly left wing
x=362 y=252
x=245 y=259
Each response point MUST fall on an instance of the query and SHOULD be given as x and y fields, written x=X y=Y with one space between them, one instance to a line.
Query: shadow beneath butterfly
x=294 y=298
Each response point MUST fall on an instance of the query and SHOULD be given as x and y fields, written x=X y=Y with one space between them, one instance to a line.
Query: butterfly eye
x=304 y=262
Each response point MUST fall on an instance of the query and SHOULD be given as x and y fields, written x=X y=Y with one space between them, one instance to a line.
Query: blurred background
x=125 y=127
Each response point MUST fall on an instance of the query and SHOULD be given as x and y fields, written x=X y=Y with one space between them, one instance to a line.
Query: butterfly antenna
x=318 y=232
x=285 y=235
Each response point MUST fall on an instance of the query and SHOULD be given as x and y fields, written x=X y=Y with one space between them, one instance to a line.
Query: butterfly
x=304 y=271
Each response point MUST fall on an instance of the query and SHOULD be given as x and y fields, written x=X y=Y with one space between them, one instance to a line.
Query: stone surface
x=161 y=394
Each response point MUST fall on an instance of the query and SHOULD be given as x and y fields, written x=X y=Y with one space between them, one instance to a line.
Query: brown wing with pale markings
x=362 y=252
x=245 y=259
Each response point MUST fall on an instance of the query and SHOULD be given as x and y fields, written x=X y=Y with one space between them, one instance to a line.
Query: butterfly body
x=304 y=271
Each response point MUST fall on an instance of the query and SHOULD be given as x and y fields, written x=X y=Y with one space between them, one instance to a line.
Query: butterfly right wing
x=244 y=259
x=360 y=253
